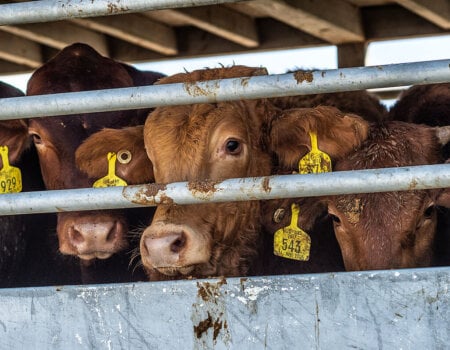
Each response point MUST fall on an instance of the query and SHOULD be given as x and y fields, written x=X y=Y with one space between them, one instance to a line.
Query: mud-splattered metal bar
x=51 y=10
x=320 y=81
x=239 y=189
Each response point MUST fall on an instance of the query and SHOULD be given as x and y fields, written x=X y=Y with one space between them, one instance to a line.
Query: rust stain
x=194 y=90
x=266 y=185
x=146 y=195
x=413 y=184
x=302 y=76
x=244 y=82
x=203 y=326
x=202 y=189
x=113 y=8
x=323 y=74
x=208 y=290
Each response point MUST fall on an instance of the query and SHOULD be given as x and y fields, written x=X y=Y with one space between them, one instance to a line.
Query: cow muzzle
x=173 y=249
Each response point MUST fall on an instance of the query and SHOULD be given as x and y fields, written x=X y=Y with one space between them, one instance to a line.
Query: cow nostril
x=75 y=236
x=178 y=244
x=111 y=236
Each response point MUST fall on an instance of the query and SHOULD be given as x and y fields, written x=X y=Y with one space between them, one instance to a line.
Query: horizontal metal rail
x=53 y=10
x=320 y=81
x=241 y=189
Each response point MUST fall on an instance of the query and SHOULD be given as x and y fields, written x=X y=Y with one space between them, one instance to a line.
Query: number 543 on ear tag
x=291 y=241
x=315 y=161
x=111 y=179
x=10 y=176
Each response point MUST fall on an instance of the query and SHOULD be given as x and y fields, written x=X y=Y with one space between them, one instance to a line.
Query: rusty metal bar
x=258 y=188
x=321 y=81
x=53 y=10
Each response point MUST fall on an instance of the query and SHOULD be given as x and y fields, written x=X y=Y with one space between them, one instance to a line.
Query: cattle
x=390 y=229
x=430 y=105
x=89 y=235
x=25 y=256
x=325 y=254
x=213 y=142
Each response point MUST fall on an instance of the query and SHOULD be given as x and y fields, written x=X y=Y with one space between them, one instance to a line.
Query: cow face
x=391 y=229
x=90 y=234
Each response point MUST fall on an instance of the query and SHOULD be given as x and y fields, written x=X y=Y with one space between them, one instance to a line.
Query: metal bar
x=394 y=309
x=240 y=189
x=51 y=10
x=321 y=81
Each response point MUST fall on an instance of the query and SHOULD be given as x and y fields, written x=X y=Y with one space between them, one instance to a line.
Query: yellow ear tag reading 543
x=291 y=241
x=315 y=161
x=111 y=179
x=10 y=176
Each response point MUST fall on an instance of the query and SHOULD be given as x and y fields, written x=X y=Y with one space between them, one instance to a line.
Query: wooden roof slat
x=20 y=51
x=334 y=21
x=435 y=11
x=218 y=20
x=136 y=29
x=59 y=34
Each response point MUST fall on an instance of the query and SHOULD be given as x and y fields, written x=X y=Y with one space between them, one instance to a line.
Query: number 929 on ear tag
x=10 y=176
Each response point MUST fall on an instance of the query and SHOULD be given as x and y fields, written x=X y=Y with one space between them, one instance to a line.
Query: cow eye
x=233 y=146
x=335 y=219
x=36 y=138
x=428 y=213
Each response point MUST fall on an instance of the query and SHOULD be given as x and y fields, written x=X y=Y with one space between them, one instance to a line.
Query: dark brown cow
x=430 y=105
x=391 y=229
x=26 y=254
x=89 y=234
x=215 y=142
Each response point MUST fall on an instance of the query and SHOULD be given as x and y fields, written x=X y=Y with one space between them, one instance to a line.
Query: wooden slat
x=7 y=68
x=20 y=51
x=136 y=29
x=194 y=42
x=395 y=22
x=435 y=11
x=334 y=21
x=217 y=20
x=59 y=34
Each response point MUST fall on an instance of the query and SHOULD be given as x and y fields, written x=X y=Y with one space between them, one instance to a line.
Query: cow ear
x=443 y=199
x=14 y=134
x=337 y=133
x=133 y=164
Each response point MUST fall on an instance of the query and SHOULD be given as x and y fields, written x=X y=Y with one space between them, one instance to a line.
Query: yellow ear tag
x=315 y=161
x=10 y=176
x=291 y=241
x=111 y=179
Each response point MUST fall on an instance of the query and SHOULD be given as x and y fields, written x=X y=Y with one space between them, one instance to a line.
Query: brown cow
x=215 y=142
x=88 y=234
x=325 y=254
x=26 y=254
x=391 y=229
x=430 y=105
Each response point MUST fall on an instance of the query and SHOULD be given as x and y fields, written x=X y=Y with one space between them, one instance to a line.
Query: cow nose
x=164 y=251
x=95 y=240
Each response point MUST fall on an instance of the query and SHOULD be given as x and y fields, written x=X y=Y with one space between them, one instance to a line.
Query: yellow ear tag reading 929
x=111 y=179
x=10 y=176
x=291 y=241
x=315 y=161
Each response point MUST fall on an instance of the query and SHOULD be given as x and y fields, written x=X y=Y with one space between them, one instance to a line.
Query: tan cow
x=218 y=141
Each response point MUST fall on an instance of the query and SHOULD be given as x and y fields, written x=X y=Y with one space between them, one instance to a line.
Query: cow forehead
x=180 y=138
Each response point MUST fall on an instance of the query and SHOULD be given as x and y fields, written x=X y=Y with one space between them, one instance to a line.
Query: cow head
x=390 y=229
x=89 y=234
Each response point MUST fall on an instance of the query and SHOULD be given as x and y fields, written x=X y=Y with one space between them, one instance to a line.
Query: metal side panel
x=403 y=309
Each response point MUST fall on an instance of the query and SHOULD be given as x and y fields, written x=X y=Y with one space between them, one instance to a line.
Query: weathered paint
x=400 y=309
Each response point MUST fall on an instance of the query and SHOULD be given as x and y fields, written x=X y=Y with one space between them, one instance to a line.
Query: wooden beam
x=195 y=42
x=395 y=22
x=59 y=35
x=220 y=21
x=351 y=55
x=9 y=68
x=435 y=11
x=334 y=21
x=135 y=29
x=20 y=51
